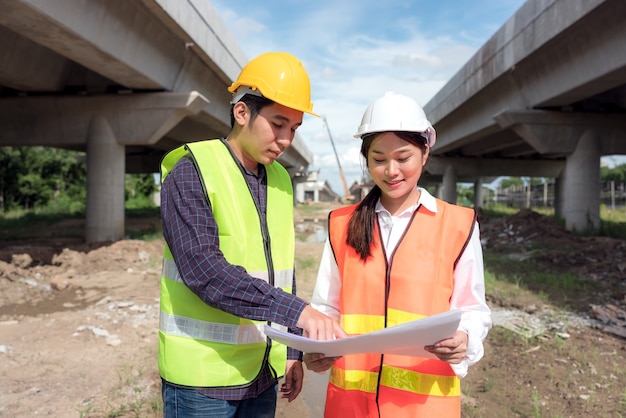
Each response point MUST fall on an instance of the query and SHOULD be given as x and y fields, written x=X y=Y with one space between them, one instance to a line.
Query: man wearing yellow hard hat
x=228 y=267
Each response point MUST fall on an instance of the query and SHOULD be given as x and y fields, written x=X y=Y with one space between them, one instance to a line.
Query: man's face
x=267 y=136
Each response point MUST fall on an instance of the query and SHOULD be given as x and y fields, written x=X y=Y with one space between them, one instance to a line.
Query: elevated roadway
x=545 y=96
x=124 y=81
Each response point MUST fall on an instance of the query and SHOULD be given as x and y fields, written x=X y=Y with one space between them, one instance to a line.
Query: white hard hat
x=396 y=112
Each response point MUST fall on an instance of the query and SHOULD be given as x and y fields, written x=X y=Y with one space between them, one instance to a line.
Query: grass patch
x=150 y=229
x=38 y=223
x=136 y=394
x=14 y=224
x=499 y=211
x=506 y=277
x=306 y=263
x=16 y=220
x=143 y=212
x=613 y=229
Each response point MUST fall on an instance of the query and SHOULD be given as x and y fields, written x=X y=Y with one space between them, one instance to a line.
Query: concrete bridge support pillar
x=439 y=191
x=106 y=166
x=558 y=196
x=478 y=193
x=581 y=185
x=449 y=185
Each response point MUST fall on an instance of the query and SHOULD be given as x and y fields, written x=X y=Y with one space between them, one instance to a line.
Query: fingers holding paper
x=452 y=350
x=318 y=362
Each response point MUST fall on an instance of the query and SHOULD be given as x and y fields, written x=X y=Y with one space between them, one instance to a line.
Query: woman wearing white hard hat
x=400 y=255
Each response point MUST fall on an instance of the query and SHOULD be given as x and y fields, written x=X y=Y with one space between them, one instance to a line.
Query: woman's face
x=396 y=166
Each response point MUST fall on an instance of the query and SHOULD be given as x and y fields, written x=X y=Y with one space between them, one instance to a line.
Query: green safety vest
x=201 y=346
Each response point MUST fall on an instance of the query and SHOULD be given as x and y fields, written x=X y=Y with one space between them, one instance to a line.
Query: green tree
x=9 y=175
x=616 y=174
x=36 y=177
x=511 y=181
x=138 y=190
x=465 y=195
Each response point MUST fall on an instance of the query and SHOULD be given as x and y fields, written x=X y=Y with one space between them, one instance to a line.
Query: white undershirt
x=469 y=287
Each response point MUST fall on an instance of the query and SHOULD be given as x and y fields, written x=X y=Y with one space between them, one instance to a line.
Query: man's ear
x=241 y=113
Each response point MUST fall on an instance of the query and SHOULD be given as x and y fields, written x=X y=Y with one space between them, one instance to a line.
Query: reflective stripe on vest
x=211 y=331
x=218 y=332
x=362 y=324
x=416 y=282
x=398 y=378
x=282 y=278
x=201 y=346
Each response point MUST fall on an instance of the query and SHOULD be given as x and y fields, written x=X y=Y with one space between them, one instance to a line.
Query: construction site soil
x=78 y=322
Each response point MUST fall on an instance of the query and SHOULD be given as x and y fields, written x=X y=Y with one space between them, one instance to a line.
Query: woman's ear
x=425 y=154
x=241 y=113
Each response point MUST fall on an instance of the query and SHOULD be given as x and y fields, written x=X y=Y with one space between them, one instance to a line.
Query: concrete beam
x=585 y=59
x=547 y=54
x=126 y=43
x=532 y=27
x=204 y=33
x=143 y=163
x=27 y=65
x=477 y=167
x=550 y=132
x=118 y=40
x=476 y=120
x=64 y=121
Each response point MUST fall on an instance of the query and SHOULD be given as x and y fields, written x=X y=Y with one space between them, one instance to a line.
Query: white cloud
x=357 y=50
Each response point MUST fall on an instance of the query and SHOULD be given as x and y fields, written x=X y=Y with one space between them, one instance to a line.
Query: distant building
x=309 y=188
x=359 y=190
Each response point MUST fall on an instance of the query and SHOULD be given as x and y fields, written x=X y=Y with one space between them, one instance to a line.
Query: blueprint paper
x=405 y=339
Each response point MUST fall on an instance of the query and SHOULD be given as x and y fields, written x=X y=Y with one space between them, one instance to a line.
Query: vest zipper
x=388 y=264
x=268 y=259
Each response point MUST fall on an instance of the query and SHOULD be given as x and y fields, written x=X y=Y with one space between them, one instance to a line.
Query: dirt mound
x=600 y=261
x=523 y=231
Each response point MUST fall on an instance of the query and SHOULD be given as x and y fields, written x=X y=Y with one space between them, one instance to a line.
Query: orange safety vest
x=415 y=283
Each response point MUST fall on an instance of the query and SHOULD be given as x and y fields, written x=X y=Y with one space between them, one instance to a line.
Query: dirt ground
x=78 y=323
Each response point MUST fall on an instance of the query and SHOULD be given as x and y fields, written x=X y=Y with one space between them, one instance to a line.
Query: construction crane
x=346 y=190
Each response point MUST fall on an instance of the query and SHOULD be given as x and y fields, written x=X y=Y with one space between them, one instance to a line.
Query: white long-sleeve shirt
x=468 y=293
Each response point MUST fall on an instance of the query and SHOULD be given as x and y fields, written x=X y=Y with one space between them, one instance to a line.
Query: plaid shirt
x=191 y=233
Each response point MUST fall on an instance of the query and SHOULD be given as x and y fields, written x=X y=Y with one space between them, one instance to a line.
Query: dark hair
x=361 y=226
x=254 y=103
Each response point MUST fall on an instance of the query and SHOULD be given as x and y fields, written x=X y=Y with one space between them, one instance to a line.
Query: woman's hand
x=452 y=350
x=318 y=362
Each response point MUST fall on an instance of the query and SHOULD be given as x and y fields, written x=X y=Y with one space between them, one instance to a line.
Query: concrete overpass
x=544 y=97
x=124 y=81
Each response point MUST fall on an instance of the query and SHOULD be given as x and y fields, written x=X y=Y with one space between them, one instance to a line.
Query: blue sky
x=355 y=50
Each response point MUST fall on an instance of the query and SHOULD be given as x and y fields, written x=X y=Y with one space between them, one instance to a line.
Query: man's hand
x=319 y=326
x=452 y=350
x=292 y=386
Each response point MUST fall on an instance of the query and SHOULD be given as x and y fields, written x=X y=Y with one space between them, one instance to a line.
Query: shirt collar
x=260 y=167
x=426 y=199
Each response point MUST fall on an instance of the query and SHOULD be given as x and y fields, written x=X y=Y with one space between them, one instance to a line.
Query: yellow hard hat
x=280 y=77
